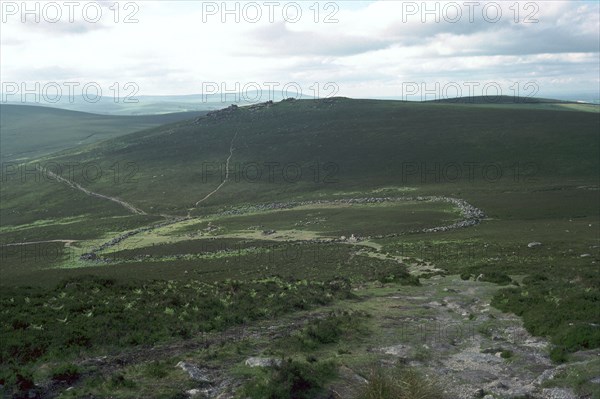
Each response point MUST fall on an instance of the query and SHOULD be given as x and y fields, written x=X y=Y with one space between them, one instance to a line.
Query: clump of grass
x=292 y=380
x=558 y=354
x=64 y=321
x=399 y=383
x=16 y=381
x=329 y=330
x=119 y=381
x=67 y=373
x=549 y=308
x=398 y=274
x=496 y=277
x=156 y=369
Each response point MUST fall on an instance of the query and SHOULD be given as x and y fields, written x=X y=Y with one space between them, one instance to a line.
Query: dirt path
x=416 y=266
x=76 y=186
x=231 y=149
x=66 y=242
x=445 y=328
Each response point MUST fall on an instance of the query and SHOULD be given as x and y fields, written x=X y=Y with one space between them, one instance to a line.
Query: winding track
x=76 y=186
x=15 y=244
x=471 y=215
x=231 y=149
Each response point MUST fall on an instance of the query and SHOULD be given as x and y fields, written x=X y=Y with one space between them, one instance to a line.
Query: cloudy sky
x=357 y=49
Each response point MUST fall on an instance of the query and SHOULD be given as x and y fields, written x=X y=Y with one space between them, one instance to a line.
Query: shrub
x=558 y=354
x=119 y=381
x=397 y=274
x=67 y=373
x=399 y=383
x=327 y=330
x=156 y=369
x=292 y=380
x=577 y=337
x=496 y=277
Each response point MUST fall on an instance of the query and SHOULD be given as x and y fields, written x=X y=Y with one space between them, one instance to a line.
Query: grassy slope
x=358 y=144
x=555 y=204
x=32 y=131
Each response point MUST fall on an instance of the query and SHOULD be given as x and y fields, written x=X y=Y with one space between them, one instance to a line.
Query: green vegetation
x=250 y=255
x=551 y=309
x=91 y=314
x=291 y=380
x=328 y=330
x=313 y=148
x=337 y=220
x=67 y=373
x=400 y=383
x=29 y=132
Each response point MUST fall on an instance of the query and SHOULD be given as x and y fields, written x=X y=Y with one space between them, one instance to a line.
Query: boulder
x=262 y=362
x=194 y=372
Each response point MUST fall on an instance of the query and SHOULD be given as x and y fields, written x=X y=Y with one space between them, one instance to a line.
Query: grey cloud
x=64 y=27
x=278 y=39
x=47 y=74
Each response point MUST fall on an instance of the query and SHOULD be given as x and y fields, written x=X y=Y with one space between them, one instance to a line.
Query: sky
x=371 y=49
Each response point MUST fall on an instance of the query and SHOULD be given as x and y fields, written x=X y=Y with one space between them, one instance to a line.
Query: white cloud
x=373 y=48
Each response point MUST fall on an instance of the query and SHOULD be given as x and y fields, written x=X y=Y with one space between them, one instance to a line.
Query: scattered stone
x=262 y=362
x=585 y=255
x=452 y=290
x=402 y=351
x=347 y=384
x=558 y=393
x=89 y=256
x=194 y=372
x=534 y=244
x=193 y=392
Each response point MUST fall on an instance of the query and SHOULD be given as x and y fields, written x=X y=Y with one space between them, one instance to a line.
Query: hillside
x=149 y=104
x=332 y=235
x=521 y=103
x=341 y=144
x=28 y=131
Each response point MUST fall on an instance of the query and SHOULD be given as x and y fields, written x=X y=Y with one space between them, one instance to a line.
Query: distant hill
x=498 y=100
x=331 y=145
x=520 y=102
x=29 y=131
x=146 y=105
